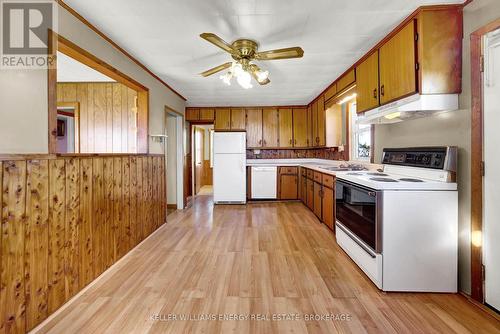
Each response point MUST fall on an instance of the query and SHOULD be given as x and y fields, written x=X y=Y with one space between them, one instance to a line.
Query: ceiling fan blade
x=286 y=53
x=253 y=71
x=217 y=41
x=216 y=69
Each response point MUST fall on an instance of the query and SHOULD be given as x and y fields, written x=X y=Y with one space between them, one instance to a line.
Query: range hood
x=411 y=107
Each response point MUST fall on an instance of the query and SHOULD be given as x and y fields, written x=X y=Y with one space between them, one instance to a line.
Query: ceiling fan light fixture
x=244 y=80
x=226 y=78
x=262 y=75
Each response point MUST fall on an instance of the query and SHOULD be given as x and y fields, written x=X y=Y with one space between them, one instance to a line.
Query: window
x=361 y=136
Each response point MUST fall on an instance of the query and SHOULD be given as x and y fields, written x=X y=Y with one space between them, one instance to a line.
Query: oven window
x=356 y=210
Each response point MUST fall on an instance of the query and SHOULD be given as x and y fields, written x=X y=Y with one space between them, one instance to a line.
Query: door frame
x=189 y=169
x=179 y=154
x=477 y=158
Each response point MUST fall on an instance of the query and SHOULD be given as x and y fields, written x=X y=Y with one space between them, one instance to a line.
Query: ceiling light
x=393 y=115
x=244 y=79
x=347 y=98
x=226 y=78
x=262 y=75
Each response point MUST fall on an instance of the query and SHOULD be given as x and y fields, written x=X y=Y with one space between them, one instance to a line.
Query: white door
x=491 y=224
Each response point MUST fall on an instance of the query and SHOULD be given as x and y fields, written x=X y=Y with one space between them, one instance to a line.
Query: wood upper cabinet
x=398 y=66
x=285 y=127
x=331 y=91
x=310 y=135
x=207 y=114
x=300 y=127
x=346 y=80
x=238 y=119
x=222 y=119
x=270 y=127
x=314 y=123
x=192 y=114
x=321 y=120
x=254 y=127
x=367 y=84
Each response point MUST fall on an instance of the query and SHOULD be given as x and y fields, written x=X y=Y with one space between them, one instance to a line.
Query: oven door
x=359 y=210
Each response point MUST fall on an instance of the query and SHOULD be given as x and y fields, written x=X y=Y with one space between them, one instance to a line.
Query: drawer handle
x=375 y=93
x=382 y=90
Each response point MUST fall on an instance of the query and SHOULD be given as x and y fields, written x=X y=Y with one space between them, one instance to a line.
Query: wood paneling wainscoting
x=65 y=220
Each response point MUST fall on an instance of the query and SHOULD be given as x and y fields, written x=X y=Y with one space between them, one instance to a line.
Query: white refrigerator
x=230 y=182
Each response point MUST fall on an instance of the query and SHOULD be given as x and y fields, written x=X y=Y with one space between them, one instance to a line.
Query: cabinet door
x=303 y=186
x=206 y=114
x=328 y=202
x=314 y=120
x=285 y=128
x=367 y=84
x=192 y=114
x=270 y=127
x=237 y=119
x=397 y=65
x=222 y=119
x=310 y=194
x=288 y=186
x=310 y=136
x=300 y=127
x=317 y=200
x=254 y=127
x=321 y=121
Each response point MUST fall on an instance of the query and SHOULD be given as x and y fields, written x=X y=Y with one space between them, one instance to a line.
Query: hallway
x=261 y=259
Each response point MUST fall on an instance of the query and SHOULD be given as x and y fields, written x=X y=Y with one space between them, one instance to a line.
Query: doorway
x=174 y=155
x=202 y=159
x=491 y=180
x=485 y=117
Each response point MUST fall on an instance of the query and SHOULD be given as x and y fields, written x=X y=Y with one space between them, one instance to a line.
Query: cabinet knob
x=290 y=141
x=375 y=93
x=382 y=90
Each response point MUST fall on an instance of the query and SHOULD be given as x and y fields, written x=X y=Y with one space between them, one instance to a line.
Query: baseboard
x=483 y=307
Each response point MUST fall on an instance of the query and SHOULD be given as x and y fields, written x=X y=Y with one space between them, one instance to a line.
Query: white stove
x=400 y=224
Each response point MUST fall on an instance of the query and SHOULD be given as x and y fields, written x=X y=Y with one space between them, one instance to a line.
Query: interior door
x=238 y=119
x=199 y=134
x=254 y=128
x=397 y=65
x=491 y=183
x=270 y=127
x=300 y=127
x=222 y=119
x=285 y=128
x=367 y=84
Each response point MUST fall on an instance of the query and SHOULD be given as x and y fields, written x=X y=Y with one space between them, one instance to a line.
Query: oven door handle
x=360 y=244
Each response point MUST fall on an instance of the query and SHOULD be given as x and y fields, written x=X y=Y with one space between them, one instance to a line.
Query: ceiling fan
x=244 y=52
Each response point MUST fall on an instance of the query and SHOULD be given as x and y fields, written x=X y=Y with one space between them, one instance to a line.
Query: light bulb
x=244 y=79
x=226 y=78
x=262 y=75
x=237 y=69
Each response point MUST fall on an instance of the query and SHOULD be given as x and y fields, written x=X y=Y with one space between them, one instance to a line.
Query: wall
x=23 y=94
x=107 y=115
x=65 y=221
x=171 y=159
x=452 y=128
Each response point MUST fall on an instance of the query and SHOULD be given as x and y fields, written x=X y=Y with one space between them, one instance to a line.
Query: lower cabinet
x=288 y=187
x=318 y=194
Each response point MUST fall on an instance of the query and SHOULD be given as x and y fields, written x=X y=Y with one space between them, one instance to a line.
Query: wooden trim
x=247 y=107
x=481 y=306
x=476 y=52
x=52 y=94
x=72 y=50
x=76 y=116
x=110 y=41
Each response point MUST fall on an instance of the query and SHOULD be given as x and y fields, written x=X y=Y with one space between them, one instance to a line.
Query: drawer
x=329 y=181
x=310 y=173
x=317 y=177
x=289 y=170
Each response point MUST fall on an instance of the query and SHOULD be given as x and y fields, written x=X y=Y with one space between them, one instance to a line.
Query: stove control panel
x=430 y=157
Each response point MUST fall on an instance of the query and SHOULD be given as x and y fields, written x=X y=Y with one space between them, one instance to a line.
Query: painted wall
x=23 y=94
x=171 y=159
x=453 y=128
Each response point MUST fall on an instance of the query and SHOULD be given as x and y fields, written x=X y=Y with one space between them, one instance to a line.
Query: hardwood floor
x=261 y=259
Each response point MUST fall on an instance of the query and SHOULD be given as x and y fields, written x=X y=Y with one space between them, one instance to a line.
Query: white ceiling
x=164 y=35
x=71 y=70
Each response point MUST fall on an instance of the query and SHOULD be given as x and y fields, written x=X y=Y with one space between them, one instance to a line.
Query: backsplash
x=320 y=153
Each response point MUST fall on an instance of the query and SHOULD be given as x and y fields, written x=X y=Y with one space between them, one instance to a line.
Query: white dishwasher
x=263 y=182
